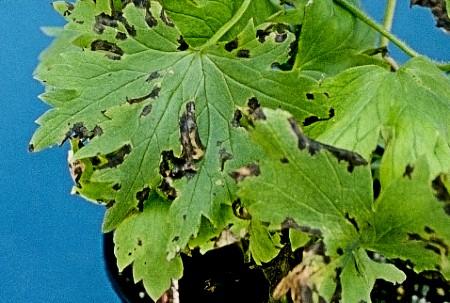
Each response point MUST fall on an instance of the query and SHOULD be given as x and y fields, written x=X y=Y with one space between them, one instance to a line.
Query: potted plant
x=280 y=130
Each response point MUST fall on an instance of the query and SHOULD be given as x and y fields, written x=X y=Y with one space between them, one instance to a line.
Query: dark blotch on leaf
x=167 y=21
x=224 y=156
x=243 y=53
x=255 y=109
x=262 y=34
x=153 y=76
x=441 y=191
x=246 y=171
x=183 y=45
x=116 y=158
x=117 y=187
x=352 y=221
x=193 y=148
x=314 y=147
x=150 y=19
x=281 y=37
x=310 y=96
x=103 y=20
x=240 y=211
x=284 y=160
x=113 y=51
x=339 y=251
x=146 y=110
x=142 y=196
x=31 y=148
x=408 y=171
x=232 y=45
x=429 y=230
x=121 y=36
x=236 y=122
x=152 y=95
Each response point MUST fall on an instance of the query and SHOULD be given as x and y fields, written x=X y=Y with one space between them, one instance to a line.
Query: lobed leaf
x=409 y=109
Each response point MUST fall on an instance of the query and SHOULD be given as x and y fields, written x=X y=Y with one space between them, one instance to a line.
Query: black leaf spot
x=224 y=156
x=112 y=50
x=167 y=21
x=117 y=187
x=284 y=160
x=193 y=148
x=243 y=53
x=236 y=121
x=255 y=109
x=232 y=45
x=352 y=221
x=146 y=110
x=116 y=158
x=183 y=45
x=153 y=76
x=314 y=147
x=152 y=95
x=310 y=96
x=31 y=148
x=409 y=169
x=121 y=36
x=150 y=19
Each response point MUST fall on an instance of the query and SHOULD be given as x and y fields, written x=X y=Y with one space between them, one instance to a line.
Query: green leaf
x=141 y=240
x=317 y=193
x=157 y=103
x=409 y=109
x=447 y=5
x=360 y=273
x=264 y=245
x=411 y=224
x=198 y=22
x=332 y=39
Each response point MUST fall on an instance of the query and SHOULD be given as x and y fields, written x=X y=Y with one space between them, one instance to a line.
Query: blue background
x=50 y=241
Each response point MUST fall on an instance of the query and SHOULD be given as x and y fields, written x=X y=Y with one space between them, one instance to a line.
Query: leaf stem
x=379 y=28
x=227 y=26
x=388 y=20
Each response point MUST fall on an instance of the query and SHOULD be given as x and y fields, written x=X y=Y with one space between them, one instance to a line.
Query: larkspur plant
x=195 y=121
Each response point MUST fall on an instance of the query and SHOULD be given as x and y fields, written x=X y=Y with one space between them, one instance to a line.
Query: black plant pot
x=219 y=276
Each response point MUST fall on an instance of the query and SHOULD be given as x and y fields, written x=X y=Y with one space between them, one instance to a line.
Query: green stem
x=227 y=26
x=366 y=19
x=388 y=20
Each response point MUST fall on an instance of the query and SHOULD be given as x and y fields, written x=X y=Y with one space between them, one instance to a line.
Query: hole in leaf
x=103 y=20
x=142 y=196
x=117 y=187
